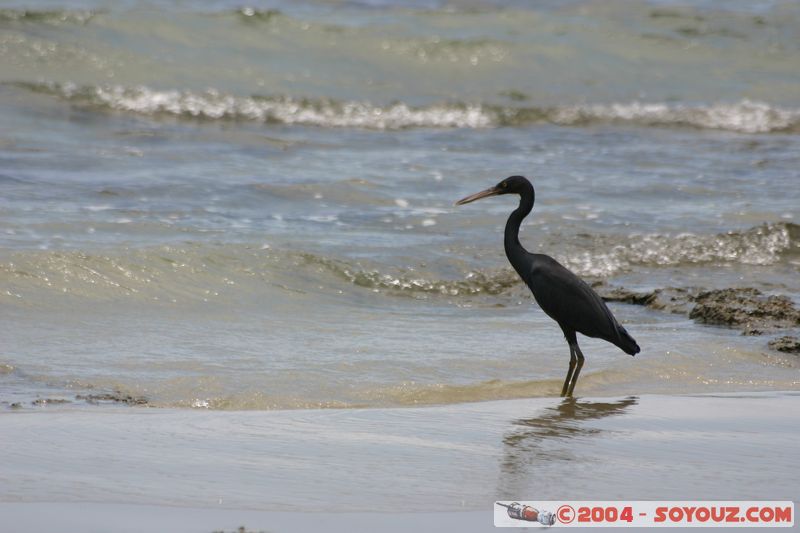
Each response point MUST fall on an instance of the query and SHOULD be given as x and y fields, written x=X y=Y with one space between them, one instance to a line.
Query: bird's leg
x=577 y=370
x=572 y=362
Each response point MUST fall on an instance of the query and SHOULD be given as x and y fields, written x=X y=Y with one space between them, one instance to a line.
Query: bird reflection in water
x=553 y=436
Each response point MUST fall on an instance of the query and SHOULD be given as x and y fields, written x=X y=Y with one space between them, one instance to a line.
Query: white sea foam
x=761 y=245
x=285 y=110
x=745 y=116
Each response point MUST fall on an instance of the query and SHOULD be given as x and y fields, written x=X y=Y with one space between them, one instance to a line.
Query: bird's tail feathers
x=626 y=342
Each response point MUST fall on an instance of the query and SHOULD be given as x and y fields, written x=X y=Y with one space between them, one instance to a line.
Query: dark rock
x=670 y=299
x=623 y=295
x=109 y=397
x=49 y=401
x=746 y=308
x=787 y=344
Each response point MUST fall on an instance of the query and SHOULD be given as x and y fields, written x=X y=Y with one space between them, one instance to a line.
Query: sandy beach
x=422 y=469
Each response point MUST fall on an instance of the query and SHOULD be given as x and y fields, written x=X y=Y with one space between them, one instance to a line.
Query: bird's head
x=511 y=185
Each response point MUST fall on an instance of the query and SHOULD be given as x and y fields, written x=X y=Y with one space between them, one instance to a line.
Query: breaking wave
x=51 y=16
x=209 y=273
x=761 y=245
x=213 y=105
x=745 y=116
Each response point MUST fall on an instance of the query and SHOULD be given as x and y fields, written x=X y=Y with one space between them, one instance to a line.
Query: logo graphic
x=566 y=514
x=645 y=513
x=527 y=513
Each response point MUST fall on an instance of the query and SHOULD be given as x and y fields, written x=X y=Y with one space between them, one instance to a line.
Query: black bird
x=565 y=297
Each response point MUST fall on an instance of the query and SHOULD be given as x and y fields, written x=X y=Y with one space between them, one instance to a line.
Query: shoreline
x=274 y=467
x=125 y=518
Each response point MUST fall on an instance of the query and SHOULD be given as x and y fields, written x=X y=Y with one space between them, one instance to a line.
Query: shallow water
x=237 y=207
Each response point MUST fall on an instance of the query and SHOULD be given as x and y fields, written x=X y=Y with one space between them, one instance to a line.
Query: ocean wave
x=408 y=283
x=50 y=16
x=197 y=272
x=605 y=256
x=592 y=256
x=745 y=116
x=597 y=257
x=213 y=105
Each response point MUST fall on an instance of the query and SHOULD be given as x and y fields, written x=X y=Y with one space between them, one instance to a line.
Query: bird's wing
x=568 y=300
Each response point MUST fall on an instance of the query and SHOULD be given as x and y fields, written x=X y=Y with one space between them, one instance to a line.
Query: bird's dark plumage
x=568 y=300
x=565 y=297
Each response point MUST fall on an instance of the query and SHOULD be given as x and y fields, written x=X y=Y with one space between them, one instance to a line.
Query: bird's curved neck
x=514 y=250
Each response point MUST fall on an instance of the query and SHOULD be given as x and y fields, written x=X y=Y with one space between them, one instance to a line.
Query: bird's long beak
x=491 y=191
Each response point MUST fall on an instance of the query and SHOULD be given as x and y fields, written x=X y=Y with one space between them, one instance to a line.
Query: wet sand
x=422 y=469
